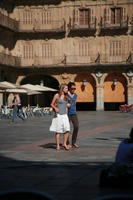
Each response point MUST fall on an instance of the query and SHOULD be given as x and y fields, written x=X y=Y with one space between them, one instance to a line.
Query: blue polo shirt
x=125 y=153
x=72 y=100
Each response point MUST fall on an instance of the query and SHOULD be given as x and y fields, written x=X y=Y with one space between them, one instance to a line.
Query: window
x=116 y=48
x=28 y=51
x=116 y=15
x=47 y=50
x=106 y=14
x=46 y=17
x=27 y=17
x=84 y=49
x=84 y=16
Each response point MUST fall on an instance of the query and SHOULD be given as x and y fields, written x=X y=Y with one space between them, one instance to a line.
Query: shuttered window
x=116 y=15
x=84 y=16
x=116 y=48
x=106 y=14
x=28 y=51
x=27 y=17
x=47 y=50
x=84 y=49
x=46 y=17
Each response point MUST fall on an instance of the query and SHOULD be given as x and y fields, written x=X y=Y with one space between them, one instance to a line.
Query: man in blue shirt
x=72 y=97
x=124 y=153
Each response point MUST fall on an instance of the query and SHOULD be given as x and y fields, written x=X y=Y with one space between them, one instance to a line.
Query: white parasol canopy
x=17 y=90
x=44 y=88
x=31 y=92
x=2 y=86
x=8 y=85
x=30 y=87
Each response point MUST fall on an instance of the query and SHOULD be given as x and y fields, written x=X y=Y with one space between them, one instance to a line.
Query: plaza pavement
x=29 y=160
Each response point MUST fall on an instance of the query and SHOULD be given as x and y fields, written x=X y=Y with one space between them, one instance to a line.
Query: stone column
x=130 y=94
x=1 y=99
x=100 y=97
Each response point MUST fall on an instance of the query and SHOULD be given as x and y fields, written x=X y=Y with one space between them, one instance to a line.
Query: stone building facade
x=86 y=41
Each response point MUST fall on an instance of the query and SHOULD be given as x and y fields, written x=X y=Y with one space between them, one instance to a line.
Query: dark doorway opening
x=86 y=106
x=112 y=106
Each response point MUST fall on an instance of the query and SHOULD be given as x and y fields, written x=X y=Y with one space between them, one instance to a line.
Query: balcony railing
x=51 y=26
x=123 y=24
x=91 y=26
x=66 y=60
x=8 y=22
x=39 y=61
x=100 y=59
x=9 y=60
x=76 y=60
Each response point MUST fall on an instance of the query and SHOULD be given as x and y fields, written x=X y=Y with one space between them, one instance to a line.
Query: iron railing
x=76 y=60
x=9 y=60
x=77 y=26
x=66 y=60
x=38 y=26
x=8 y=22
x=109 y=25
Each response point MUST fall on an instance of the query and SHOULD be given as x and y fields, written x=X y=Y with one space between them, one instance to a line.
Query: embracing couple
x=64 y=105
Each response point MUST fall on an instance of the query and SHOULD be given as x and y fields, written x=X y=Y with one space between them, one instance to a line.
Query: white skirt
x=60 y=124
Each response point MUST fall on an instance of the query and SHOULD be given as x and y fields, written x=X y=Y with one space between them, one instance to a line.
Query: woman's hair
x=62 y=86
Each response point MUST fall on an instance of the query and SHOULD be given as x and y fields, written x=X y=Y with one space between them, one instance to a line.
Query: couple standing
x=64 y=105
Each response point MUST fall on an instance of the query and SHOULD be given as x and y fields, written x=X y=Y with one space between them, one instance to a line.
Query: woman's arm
x=54 y=103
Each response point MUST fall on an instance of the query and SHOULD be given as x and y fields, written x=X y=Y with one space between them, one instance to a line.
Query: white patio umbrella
x=3 y=87
x=17 y=90
x=44 y=88
x=30 y=87
x=8 y=85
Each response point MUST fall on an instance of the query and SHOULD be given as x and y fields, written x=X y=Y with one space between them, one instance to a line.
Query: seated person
x=124 y=153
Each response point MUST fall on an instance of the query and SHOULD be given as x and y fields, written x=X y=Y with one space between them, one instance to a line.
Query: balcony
x=9 y=60
x=77 y=61
x=100 y=59
x=39 y=27
x=41 y=62
x=67 y=61
x=8 y=22
x=110 y=28
x=81 y=29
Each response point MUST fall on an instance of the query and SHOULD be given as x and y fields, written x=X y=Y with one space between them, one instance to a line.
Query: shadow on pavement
x=61 y=180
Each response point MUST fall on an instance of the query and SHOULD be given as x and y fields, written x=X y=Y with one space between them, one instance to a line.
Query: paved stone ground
x=29 y=160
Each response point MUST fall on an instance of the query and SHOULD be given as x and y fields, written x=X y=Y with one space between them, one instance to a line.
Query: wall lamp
x=129 y=73
x=84 y=82
x=99 y=74
x=41 y=82
x=115 y=82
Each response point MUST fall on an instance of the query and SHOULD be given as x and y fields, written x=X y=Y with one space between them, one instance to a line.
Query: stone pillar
x=130 y=94
x=100 y=97
x=1 y=99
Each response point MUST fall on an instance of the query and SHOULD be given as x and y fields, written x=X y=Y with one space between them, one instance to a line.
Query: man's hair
x=70 y=84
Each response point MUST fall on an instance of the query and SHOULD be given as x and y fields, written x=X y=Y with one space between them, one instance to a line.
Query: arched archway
x=86 y=99
x=45 y=98
x=115 y=91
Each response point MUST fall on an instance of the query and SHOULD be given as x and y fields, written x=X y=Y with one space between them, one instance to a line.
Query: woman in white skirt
x=60 y=124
